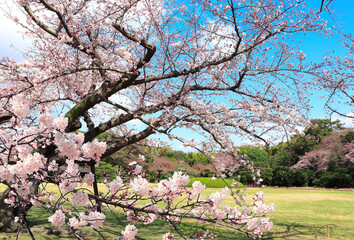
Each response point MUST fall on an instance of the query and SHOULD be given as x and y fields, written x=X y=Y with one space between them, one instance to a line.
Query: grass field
x=298 y=211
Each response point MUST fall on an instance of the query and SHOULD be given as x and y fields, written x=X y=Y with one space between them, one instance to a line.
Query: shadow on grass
x=304 y=230
x=116 y=222
x=38 y=216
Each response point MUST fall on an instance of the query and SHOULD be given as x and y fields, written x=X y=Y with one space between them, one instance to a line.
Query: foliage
x=177 y=155
x=348 y=137
x=340 y=178
x=105 y=171
x=207 y=173
x=322 y=147
x=321 y=128
x=281 y=177
x=254 y=154
x=281 y=157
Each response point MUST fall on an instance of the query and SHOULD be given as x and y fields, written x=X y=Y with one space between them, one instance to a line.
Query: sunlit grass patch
x=213 y=183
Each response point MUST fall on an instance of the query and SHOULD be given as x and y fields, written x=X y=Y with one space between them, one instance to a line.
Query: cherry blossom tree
x=216 y=68
x=315 y=160
x=333 y=148
x=338 y=79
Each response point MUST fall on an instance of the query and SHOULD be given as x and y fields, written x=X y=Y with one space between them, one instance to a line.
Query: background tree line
x=317 y=157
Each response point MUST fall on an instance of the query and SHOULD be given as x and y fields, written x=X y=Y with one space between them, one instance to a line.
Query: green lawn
x=302 y=212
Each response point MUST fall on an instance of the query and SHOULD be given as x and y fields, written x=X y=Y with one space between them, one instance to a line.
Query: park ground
x=300 y=213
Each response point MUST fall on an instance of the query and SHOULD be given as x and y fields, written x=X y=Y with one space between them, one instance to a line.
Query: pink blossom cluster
x=76 y=222
x=140 y=186
x=20 y=106
x=202 y=235
x=35 y=202
x=45 y=120
x=129 y=232
x=24 y=150
x=89 y=179
x=257 y=225
x=259 y=207
x=60 y=123
x=67 y=185
x=11 y=198
x=70 y=178
x=80 y=198
x=168 y=236
x=172 y=187
x=5 y=174
x=94 y=149
x=217 y=198
x=152 y=215
x=115 y=185
x=219 y=214
x=135 y=168
x=96 y=219
x=23 y=190
x=197 y=188
x=141 y=157
x=58 y=218
x=69 y=144
x=29 y=165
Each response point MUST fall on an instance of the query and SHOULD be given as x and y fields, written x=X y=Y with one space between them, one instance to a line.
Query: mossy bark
x=7 y=223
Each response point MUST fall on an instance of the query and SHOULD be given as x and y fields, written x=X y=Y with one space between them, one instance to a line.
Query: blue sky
x=313 y=45
x=316 y=46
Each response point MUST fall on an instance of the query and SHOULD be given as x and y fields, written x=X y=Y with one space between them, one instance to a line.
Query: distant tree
x=314 y=160
x=257 y=155
x=349 y=156
x=321 y=128
x=282 y=157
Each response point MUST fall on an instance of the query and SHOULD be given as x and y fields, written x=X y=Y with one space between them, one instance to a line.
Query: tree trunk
x=7 y=223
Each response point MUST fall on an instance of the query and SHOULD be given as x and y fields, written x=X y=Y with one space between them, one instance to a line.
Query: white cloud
x=121 y=99
x=135 y=123
x=185 y=149
x=346 y=121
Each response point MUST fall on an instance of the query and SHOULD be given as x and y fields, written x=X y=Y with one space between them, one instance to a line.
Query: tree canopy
x=216 y=68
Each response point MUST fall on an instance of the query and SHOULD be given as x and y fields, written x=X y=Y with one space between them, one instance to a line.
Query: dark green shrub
x=257 y=155
x=297 y=178
x=337 y=179
x=310 y=176
x=348 y=137
x=207 y=173
x=281 y=177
